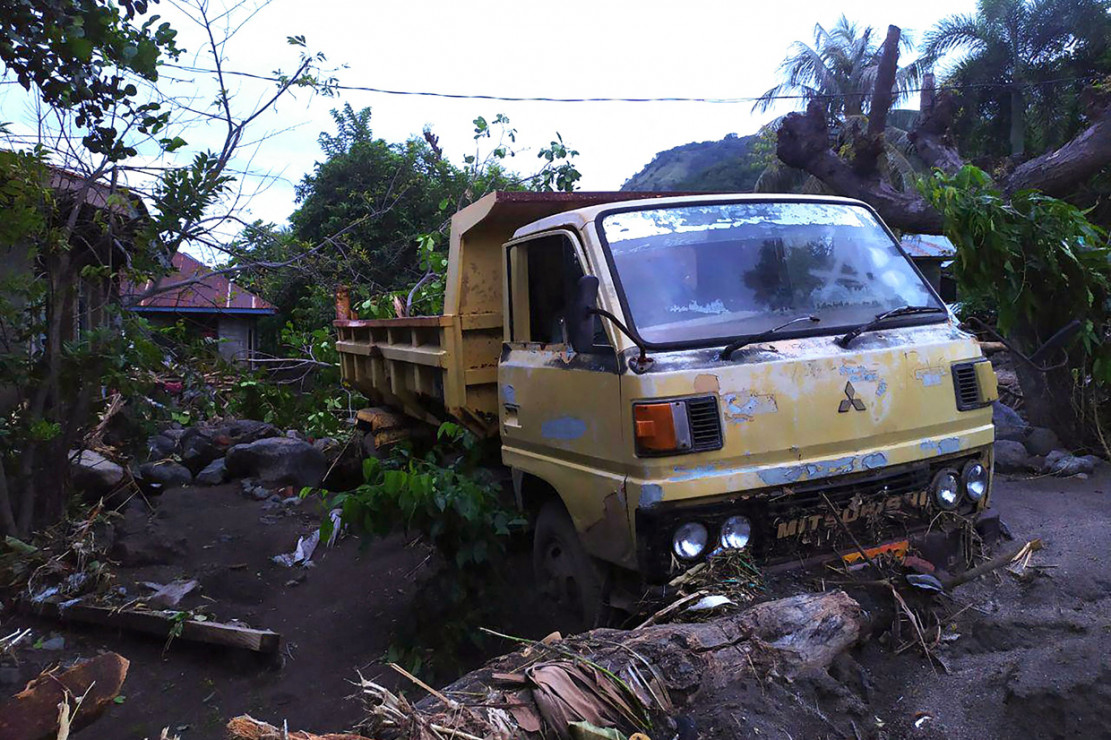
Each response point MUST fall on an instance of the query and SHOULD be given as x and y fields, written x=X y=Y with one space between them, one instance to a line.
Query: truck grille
x=966 y=386
x=705 y=423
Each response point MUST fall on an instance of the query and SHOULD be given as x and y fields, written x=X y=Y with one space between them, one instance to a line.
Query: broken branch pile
x=632 y=681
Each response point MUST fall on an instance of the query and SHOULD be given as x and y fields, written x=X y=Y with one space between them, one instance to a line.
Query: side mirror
x=580 y=314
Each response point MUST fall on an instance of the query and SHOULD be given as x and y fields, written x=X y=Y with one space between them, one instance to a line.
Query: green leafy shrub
x=453 y=505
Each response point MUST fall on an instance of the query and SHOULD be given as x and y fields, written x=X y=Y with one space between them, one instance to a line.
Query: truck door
x=560 y=410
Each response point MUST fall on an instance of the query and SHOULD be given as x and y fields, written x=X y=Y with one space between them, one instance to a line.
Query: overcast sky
x=571 y=48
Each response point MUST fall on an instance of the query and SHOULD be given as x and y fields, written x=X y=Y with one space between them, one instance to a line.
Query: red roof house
x=207 y=302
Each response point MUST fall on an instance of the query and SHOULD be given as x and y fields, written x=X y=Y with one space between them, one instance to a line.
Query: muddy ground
x=1033 y=656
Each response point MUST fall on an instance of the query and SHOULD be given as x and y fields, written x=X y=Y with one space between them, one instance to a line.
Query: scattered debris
x=246 y=727
x=302 y=553
x=629 y=681
x=166 y=624
x=170 y=594
x=34 y=714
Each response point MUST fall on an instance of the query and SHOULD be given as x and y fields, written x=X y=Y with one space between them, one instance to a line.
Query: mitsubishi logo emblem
x=851 y=401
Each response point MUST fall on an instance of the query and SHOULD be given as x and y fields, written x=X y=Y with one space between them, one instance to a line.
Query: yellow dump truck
x=673 y=375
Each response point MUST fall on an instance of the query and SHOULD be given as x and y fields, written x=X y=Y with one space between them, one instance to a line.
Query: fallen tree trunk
x=630 y=680
x=246 y=727
x=33 y=714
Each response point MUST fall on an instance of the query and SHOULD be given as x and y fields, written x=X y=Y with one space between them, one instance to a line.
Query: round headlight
x=975 y=480
x=690 y=540
x=946 y=489
x=735 y=533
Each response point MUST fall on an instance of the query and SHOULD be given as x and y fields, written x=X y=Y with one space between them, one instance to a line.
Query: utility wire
x=673 y=99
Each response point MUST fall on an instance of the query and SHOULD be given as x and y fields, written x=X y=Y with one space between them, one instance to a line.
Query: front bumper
x=795 y=523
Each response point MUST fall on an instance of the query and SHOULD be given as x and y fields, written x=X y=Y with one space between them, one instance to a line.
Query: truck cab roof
x=583 y=215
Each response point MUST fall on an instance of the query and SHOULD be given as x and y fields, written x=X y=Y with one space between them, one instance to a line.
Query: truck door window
x=551 y=274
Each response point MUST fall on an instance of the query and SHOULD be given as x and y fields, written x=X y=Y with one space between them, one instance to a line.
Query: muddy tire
x=564 y=572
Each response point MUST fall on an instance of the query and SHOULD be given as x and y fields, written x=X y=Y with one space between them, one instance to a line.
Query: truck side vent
x=705 y=422
x=966 y=386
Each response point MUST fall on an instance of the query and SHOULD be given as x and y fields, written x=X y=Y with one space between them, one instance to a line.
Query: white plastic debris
x=302 y=553
x=713 y=601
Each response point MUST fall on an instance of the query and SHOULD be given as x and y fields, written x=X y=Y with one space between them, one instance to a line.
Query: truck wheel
x=563 y=570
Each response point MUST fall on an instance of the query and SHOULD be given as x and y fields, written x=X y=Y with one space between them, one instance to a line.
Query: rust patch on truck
x=609 y=538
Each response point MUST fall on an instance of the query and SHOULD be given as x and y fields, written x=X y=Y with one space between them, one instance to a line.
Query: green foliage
x=455 y=507
x=1037 y=260
x=1033 y=56
x=838 y=71
x=76 y=52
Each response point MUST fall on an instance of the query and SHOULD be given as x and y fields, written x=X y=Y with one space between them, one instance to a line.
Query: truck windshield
x=719 y=271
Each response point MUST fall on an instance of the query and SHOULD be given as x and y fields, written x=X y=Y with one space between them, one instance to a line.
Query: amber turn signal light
x=661 y=427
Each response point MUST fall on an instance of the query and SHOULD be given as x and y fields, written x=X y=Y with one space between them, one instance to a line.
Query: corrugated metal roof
x=215 y=293
x=928 y=246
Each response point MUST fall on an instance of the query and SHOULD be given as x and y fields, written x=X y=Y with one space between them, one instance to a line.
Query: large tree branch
x=803 y=142
x=1058 y=172
x=931 y=132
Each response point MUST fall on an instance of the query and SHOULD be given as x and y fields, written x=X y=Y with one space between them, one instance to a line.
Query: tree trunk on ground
x=665 y=666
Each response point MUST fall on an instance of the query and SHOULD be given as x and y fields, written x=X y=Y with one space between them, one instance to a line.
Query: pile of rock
x=1021 y=448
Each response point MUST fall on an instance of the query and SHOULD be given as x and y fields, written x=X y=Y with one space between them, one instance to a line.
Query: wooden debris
x=612 y=677
x=34 y=714
x=163 y=624
x=246 y=727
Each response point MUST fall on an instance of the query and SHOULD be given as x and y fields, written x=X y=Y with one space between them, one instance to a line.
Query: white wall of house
x=237 y=337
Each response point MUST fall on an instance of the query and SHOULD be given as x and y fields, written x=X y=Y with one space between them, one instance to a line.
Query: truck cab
x=679 y=375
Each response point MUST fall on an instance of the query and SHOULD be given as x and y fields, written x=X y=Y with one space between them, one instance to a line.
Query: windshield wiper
x=882 y=318
x=763 y=336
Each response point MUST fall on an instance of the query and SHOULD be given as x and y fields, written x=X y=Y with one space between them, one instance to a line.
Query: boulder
x=93 y=473
x=160 y=446
x=159 y=476
x=278 y=461
x=1008 y=424
x=214 y=474
x=200 y=445
x=174 y=433
x=1041 y=441
x=244 y=431
x=1011 y=457
x=1062 y=463
x=204 y=443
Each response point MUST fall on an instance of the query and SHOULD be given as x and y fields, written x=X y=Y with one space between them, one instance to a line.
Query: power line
x=669 y=99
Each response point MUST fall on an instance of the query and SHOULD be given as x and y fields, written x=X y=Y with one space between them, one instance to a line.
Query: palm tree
x=839 y=69
x=1013 y=44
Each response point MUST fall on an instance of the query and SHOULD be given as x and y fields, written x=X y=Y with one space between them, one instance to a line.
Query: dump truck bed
x=436 y=368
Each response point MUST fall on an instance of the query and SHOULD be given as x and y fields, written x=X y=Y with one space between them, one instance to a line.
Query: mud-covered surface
x=1030 y=656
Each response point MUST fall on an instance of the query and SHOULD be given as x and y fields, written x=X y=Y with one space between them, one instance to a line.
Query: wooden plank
x=161 y=623
x=32 y=714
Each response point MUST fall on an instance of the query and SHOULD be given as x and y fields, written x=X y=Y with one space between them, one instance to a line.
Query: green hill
x=732 y=164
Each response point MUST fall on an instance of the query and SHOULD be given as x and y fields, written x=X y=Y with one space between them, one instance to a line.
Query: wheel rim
x=560 y=576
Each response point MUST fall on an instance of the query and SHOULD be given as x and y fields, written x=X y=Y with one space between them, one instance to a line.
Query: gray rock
x=326 y=444
x=214 y=473
x=174 y=433
x=1062 y=463
x=94 y=474
x=163 y=475
x=160 y=446
x=1011 y=457
x=200 y=446
x=244 y=431
x=1008 y=424
x=294 y=434
x=278 y=461
x=1003 y=415
x=1041 y=441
